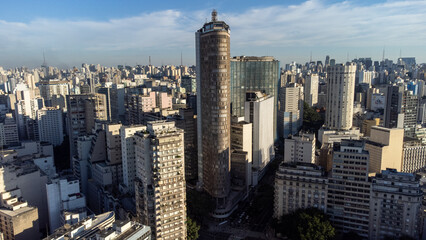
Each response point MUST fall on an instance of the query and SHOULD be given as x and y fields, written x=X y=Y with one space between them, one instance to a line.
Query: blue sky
x=127 y=32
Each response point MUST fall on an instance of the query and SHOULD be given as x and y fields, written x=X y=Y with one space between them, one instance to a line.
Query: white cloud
x=310 y=24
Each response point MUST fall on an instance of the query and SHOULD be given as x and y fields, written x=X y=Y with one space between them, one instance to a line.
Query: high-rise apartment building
x=258 y=111
x=348 y=201
x=54 y=92
x=128 y=154
x=299 y=185
x=385 y=148
x=160 y=180
x=82 y=111
x=138 y=104
x=8 y=131
x=311 y=89
x=340 y=96
x=50 y=125
x=395 y=205
x=290 y=113
x=213 y=108
x=254 y=74
x=401 y=109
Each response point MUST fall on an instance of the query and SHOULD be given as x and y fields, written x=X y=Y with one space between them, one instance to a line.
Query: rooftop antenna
x=181 y=58
x=214 y=15
x=347 y=56
x=310 y=59
x=44 y=60
x=400 y=53
x=383 y=57
x=149 y=60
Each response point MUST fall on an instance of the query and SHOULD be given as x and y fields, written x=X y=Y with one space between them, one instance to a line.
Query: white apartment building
x=340 y=96
x=259 y=111
x=128 y=154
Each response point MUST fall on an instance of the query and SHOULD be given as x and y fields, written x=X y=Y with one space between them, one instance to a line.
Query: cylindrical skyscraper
x=213 y=105
x=340 y=96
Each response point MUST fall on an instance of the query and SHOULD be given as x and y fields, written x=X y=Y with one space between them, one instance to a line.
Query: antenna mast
x=214 y=15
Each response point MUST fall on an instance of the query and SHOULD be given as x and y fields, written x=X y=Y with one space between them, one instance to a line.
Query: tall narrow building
x=290 y=113
x=311 y=89
x=340 y=96
x=160 y=180
x=213 y=103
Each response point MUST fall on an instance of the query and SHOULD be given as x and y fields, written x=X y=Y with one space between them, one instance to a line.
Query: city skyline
x=129 y=33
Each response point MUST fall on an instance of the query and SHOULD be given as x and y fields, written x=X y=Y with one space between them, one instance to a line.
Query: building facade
x=250 y=73
x=385 y=148
x=348 y=201
x=160 y=180
x=299 y=185
x=413 y=156
x=50 y=125
x=340 y=96
x=128 y=154
x=311 y=89
x=258 y=111
x=300 y=148
x=290 y=113
x=395 y=205
x=401 y=109
x=213 y=108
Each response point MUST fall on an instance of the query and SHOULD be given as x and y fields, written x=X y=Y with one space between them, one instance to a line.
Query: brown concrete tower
x=213 y=103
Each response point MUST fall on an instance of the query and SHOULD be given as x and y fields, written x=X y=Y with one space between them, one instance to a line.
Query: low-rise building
x=299 y=185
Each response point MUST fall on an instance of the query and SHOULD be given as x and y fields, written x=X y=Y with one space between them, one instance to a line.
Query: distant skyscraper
x=254 y=74
x=340 y=96
x=311 y=89
x=213 y=103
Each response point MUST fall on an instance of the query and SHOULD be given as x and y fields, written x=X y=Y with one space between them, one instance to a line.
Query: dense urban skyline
x=112 y=34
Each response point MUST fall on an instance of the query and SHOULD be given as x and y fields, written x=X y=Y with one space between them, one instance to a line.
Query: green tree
x=309 y=114
x=192 y=229
x=311 y=118
x=306 y=224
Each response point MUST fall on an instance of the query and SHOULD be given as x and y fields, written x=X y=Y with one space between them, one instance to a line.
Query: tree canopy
x=311 y=118
x=306 y=224
x=192 y=229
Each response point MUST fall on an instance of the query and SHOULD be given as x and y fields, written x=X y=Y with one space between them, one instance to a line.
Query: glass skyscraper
x=254 y=74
